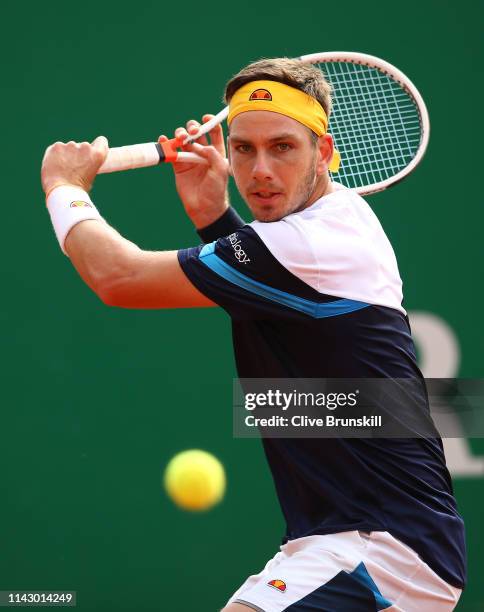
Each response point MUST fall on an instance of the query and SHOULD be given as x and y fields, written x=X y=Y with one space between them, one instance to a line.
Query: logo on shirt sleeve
x=239 y=252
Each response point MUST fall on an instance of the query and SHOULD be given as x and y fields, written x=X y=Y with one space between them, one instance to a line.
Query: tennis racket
x=379 y=123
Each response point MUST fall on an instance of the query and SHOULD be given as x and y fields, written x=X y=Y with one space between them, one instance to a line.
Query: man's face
x=276 y=166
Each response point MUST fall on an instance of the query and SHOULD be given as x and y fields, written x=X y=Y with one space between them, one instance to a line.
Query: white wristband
x=68 y=206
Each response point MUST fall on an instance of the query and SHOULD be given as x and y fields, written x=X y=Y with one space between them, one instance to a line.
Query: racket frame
x=154 y=153
x=390 y=70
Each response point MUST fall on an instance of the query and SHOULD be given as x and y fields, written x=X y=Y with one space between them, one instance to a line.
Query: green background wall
x=96 y=400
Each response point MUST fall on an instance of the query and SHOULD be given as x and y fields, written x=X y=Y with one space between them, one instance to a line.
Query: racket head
x=379 y=121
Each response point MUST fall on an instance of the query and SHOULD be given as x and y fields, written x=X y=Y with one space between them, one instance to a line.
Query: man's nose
x=261 y=170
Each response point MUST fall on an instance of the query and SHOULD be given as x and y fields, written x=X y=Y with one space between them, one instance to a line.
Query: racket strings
x=375 y=123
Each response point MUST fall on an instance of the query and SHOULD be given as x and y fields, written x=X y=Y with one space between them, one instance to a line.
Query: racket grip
x=144 y=155
x=132 y=156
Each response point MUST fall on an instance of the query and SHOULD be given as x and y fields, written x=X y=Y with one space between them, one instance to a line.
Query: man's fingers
x=216 y=135
x=210 y=153
x=181 y=133
x=101 y=143
x=101 y=146
x=73 y=163
x=192 y=127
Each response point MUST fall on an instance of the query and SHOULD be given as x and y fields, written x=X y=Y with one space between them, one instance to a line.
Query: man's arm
x=203 y=188
x=123 y=275
x=115 y=268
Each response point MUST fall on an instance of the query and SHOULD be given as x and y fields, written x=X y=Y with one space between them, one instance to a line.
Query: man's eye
x=243 y=148
x=283 y=146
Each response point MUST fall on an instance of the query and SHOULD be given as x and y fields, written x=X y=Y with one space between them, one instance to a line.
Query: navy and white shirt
x=318 y=295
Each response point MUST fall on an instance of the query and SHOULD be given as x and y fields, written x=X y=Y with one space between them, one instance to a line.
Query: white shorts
x=347 y=572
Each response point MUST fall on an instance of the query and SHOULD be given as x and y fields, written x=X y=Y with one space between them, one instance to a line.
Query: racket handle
x=144 y=155
x=153 y=153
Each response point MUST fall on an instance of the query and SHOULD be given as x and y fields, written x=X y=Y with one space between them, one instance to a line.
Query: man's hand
x=73 y=164
x=203 y=189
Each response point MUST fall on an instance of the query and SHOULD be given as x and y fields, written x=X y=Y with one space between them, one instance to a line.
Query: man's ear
x=325 y=149
x=228 y=155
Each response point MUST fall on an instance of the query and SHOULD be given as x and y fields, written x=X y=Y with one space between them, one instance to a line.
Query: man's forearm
x=124 y=275
x=117 y=270
x=100 y=255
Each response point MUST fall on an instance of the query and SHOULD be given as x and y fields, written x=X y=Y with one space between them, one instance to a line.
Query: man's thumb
x=101 y=144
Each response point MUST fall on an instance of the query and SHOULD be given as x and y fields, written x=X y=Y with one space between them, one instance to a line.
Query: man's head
x=279 y=164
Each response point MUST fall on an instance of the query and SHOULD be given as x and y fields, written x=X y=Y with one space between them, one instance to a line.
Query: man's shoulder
x=338 y=247
x=339 y=221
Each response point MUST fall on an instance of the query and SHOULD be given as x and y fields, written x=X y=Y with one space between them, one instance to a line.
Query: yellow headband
x=280 y=98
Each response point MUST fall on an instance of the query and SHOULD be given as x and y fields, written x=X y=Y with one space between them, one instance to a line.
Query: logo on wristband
x=80 y=204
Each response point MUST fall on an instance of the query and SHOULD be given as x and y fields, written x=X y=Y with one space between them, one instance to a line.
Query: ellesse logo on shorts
x=280 y=585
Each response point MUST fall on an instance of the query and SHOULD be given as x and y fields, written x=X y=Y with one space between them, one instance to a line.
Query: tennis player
x=313 y=290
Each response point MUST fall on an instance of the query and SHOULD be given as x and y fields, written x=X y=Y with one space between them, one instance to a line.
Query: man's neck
x=324 y=188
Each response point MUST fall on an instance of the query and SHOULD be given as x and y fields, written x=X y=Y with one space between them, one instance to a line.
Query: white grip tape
x=68 y=206
x=132 y=156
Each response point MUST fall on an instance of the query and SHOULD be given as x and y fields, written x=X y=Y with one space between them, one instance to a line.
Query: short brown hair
x=294 y=73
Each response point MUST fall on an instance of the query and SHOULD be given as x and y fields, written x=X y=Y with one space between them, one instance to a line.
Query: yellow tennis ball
x=195 y=480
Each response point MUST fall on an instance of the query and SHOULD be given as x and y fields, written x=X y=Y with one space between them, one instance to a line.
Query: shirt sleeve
x=239 y=273
x=228 y=223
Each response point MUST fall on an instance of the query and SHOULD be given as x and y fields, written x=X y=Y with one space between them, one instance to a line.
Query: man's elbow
x=108 y=295
x=117 y=286
x=118 y=292
x=113 y=274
